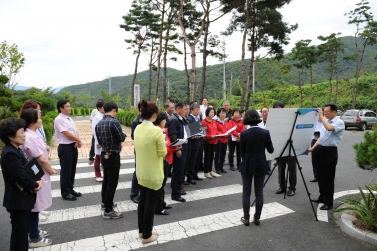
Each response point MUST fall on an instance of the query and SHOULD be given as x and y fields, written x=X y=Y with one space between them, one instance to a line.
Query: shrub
x=82 y=110
x=48 y=125
x=366 y=151
x=365 y=208
x=87 y=111
x=75 y=111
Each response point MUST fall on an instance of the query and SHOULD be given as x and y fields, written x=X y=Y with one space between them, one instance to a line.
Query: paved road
x=209 y=220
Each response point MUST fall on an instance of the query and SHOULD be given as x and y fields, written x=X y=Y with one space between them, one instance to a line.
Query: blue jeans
x=33 y=225
x=247 y=180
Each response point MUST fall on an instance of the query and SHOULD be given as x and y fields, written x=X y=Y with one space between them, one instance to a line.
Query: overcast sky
x=75 y=42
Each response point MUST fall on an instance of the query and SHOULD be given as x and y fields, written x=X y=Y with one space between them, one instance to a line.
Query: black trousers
x=20 y=226
x=328 y=158
x=234 y=145
x=161 y=192
x=292 y=169
x=209 y=152
x=68 y=160
x=178 y=175
x=247 y=180
x=145 y=210
x=111 y=167
x=91 y=153
x=196 y=147
x=315 y=159
x=220 y=152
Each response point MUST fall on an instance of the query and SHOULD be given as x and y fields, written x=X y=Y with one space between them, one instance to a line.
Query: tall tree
x=11 y=61
x=305 y=56
x=140 y=21
x=366 y=28
x=264 y=27
x=191 y=42
x=328 y=52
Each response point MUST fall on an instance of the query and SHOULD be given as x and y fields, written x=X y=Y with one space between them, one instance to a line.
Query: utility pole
x=109 y=83
x=224 y=82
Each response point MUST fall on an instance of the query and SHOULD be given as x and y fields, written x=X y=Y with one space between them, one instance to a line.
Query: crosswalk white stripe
x=128 y=205
x=79 y=165
x=169 y=232
x=97 y=188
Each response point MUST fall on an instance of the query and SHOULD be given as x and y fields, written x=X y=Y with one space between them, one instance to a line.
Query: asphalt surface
x=295 y=231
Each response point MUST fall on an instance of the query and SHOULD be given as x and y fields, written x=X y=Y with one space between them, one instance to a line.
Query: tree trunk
x=159 y=51
x=336 y=88
x=150 y=73
x=187 y=74
x=250 y=79
x=165 y=63
x=242 y=102
x=204 y=68
x=330 y=87
x=311 y=86
x=193 y=70
x=135 y=74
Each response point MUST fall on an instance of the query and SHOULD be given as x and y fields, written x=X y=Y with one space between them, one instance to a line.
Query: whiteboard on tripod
x=280 y=124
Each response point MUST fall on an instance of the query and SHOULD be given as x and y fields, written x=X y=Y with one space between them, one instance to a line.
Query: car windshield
x=351 y=113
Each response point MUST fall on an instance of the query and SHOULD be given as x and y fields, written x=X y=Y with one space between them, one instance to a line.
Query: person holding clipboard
x=35 y=147
x=20 y=190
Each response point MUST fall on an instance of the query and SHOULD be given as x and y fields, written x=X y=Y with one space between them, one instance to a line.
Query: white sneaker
x=42 y=218
x=45 y=213
x=43 y=233
x=41 y=243
x=98 y=179
x=213 y=174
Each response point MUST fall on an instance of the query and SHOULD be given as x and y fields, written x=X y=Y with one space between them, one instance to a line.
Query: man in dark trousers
x=282 y=165
x=177 y=131
x=110 y=136
x=195 y=144
x=330 y=136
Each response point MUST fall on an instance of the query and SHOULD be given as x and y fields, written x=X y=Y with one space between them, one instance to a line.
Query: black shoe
x=76 y=194
x=183 y=192
x=135 y=199
x=169 y=174
x=317 y=200
x=180 y=199
x=166 y=206
x=280 y=190
x=223 y=171
x=232 y=168
x=192 y=182
x=314 y=180
x=256 y=222
x=69 y=197
x=325 y=207
x=244 y=221
x=185 y=183
x=163 y=212
x=218 y=172
x=197 y=178
x=291 y=192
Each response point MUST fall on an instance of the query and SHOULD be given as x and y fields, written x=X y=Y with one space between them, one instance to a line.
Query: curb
x=347 y=227
x=83 y=159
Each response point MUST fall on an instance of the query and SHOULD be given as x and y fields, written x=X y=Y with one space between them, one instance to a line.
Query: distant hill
x=21 y=87
x=214 y=79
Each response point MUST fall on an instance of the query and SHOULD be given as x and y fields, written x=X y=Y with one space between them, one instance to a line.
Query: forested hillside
x=214 y=76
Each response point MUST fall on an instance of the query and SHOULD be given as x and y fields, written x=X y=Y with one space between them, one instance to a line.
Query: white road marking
x=79 y=165
x=97 y=188
x=169 y=232
x=91 y=174
x=128 y=205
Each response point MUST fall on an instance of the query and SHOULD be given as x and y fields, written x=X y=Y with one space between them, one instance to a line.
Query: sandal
x=244 y=221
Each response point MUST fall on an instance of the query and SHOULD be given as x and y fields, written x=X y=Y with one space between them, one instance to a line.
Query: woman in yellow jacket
x=150 y=146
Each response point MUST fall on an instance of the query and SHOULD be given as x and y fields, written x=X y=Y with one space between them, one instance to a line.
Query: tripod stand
x=291 y=149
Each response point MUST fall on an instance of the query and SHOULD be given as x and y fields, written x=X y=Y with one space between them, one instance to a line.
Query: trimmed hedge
x=48 y=125
x=126 y=117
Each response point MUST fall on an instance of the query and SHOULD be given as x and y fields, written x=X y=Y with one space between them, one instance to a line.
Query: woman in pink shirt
x=35 y=147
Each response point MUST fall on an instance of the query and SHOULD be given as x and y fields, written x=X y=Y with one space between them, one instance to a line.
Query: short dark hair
x=235 y=110
x=332 y=106
x=204 y=98
x=193 y=102
x=61 y=104
x=161 y=116
x=193 y=106
x=109 y=106
x=251 y=117
x=148 y=109
x=208 y=110
x=31 y=104
x=220 y=110
x=278 y=105
x=100 y=104
x=179 y=105
x=30 y=116
x=9 y=128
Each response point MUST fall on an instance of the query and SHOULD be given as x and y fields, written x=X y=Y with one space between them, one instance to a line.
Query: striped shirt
x=109 y=134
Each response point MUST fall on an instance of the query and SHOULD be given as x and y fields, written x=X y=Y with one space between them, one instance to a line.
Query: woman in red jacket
x=209 y=143
x=220 y=151
x=234 y=143
x=161 y=204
